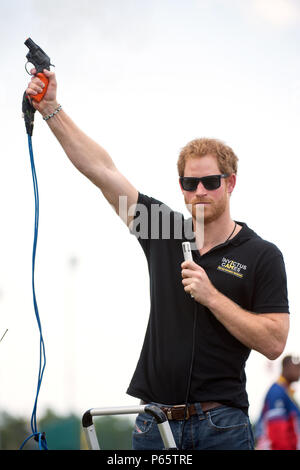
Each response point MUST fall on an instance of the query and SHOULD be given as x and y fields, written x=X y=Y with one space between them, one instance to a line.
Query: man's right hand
x=49 y=103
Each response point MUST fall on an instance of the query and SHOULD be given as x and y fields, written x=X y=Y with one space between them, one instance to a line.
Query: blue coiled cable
x=38 y=436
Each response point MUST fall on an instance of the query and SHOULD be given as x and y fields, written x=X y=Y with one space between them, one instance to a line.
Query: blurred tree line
x=65 y=432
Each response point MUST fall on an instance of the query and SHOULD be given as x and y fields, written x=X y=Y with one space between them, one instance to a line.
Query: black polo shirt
x=247 y=269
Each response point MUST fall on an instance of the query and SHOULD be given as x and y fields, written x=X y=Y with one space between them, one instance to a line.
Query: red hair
x=227 y=160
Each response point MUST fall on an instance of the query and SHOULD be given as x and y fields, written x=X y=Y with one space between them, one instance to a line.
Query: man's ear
x=231 y=182
x=180 y=186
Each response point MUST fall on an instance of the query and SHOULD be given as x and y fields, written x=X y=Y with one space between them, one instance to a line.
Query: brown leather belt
x=177 y=412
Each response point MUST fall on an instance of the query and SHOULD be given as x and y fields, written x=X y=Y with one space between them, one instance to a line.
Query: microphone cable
x=190 y=372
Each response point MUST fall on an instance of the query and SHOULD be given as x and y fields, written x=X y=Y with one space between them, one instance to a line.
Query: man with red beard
x=207 y=314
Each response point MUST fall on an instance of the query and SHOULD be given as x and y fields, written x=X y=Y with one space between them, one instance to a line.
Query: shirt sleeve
x=154 y=220
x=270 y=290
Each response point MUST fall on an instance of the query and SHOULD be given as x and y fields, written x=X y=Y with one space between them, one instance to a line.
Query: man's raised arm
x=85 y=154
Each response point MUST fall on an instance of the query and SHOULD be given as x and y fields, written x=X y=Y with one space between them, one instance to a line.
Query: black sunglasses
x=190 y=183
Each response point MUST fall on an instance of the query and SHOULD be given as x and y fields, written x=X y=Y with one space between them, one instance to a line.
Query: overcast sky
x=142 y=78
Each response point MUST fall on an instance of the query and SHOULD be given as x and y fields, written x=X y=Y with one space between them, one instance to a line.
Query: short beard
x=211 y=212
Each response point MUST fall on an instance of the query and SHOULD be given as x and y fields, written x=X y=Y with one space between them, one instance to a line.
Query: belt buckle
x=169 y=411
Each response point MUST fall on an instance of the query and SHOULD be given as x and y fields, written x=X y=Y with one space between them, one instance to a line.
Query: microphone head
x=187 y=252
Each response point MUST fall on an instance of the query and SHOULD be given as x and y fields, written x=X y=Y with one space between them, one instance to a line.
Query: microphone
x=187 y=253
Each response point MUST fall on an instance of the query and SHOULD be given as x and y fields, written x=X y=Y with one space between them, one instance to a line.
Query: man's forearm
x=85 y=154
x=260 y=332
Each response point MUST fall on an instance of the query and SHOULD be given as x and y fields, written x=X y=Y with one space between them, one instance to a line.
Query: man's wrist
x=49 y=108
x=51 y=115
x=213 y=300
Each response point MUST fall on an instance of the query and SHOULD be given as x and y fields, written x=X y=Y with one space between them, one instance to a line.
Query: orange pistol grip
x=45 y=80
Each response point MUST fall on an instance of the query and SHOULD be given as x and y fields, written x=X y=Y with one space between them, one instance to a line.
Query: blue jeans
x=222 y=428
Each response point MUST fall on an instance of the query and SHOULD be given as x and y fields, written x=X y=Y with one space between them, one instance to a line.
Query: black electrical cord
x=190 y=373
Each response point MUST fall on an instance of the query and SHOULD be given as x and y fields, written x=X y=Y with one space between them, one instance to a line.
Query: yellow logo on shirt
x=232 y=267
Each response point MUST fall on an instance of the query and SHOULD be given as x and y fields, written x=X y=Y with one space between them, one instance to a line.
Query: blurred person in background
x=278 y=427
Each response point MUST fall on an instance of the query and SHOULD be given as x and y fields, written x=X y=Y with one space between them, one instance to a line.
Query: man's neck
x=217 y=232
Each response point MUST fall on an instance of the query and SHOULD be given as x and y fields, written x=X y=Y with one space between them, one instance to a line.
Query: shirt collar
x=244 y=234
x=284 y=383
